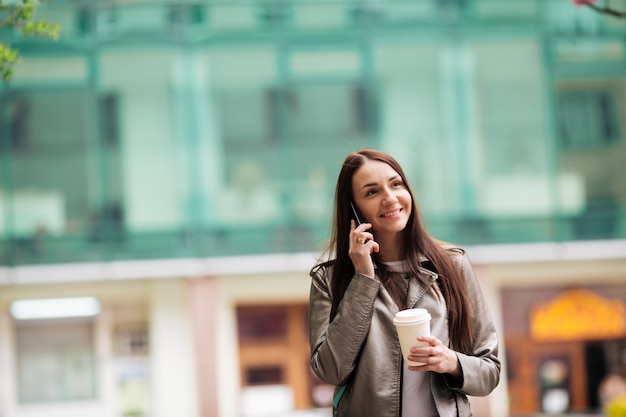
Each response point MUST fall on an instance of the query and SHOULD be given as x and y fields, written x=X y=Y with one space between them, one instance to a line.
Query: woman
x=386 y=264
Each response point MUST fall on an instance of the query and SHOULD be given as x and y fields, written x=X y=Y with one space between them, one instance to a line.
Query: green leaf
x=20 y=15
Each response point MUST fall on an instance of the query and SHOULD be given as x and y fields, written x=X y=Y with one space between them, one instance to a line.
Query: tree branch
x=607 y=10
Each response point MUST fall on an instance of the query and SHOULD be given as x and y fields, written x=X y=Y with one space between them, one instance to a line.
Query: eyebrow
x=373 y=184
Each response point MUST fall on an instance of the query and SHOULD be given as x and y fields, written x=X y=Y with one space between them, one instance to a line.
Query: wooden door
x=545 y=376
x=274 y=349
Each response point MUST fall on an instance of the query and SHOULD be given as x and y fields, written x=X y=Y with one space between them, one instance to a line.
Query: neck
x=390 y=248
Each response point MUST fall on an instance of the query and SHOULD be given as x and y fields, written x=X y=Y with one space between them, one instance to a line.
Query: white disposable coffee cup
x=410 y=324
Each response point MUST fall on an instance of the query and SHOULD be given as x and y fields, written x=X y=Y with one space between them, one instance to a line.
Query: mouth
x=391 y=213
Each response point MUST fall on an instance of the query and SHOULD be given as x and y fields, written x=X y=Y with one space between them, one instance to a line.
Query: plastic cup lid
x=412 y=315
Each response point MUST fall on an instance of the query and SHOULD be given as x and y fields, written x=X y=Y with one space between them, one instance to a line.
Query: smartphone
x=356 y=215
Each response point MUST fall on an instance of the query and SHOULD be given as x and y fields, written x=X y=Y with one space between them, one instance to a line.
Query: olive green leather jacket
x=359 y=350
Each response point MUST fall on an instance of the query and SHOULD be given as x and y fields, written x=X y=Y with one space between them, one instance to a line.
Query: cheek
x=369 y=212
x=406 y=198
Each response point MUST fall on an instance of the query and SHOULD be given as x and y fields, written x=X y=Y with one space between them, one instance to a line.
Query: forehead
x=373 y=172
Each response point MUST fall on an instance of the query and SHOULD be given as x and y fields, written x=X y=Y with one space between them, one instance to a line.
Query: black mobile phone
x=356 y=215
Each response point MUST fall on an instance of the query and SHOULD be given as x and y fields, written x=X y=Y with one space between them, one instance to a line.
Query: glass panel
x=516 y=186
x=48 y=182
x=262 y=323
x=555 y=384
x=55 y=362
x=265 y=375
x=327 y=112
x=244 y=140
x=253 y=106
x=594 y=150
x=587 y=119
x=131 y=340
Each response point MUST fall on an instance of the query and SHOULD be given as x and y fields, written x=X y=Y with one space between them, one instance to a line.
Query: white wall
x=173 y=377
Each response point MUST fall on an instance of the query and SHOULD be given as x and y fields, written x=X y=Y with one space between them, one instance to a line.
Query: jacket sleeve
x=480 y=368
x=335 y=344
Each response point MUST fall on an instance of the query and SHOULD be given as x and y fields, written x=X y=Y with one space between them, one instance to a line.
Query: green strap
x=339 y=395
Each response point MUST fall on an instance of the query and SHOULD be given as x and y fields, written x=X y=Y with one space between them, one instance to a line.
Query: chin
x=398 y=228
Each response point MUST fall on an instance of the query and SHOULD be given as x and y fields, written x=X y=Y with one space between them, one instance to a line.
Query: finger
x=431 y=340
x=419 y=359
x=363 y=227
x=375 y=247
x=363 y=238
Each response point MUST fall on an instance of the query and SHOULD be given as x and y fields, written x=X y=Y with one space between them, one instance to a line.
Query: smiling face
x=382 y=198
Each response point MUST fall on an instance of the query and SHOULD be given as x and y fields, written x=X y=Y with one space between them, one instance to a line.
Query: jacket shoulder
x=457 y=254
x=321 y=268
x=454 y=249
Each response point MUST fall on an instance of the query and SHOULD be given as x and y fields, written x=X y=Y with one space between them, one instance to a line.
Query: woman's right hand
x=362 y=245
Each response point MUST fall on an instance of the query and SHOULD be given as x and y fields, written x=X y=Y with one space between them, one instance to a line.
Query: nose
x=389 y=197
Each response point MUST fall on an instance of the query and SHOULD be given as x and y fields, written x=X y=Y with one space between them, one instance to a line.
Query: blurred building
x=174 y=161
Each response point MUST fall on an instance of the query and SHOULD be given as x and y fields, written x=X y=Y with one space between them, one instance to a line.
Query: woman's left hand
x=435 y=356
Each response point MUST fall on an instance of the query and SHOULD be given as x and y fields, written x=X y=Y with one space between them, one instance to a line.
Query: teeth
x=391 y=214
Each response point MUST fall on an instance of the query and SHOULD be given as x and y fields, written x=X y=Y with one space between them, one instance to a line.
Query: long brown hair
x=417 y=242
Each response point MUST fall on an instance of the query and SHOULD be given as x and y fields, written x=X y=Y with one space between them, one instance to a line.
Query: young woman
x=383 y=265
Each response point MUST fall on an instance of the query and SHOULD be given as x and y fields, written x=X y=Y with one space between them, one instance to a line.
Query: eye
x=398 y=184
x=370 y=192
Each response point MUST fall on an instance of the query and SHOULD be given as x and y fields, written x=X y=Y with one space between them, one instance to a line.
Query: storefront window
x=258 y=323
x=55 y=361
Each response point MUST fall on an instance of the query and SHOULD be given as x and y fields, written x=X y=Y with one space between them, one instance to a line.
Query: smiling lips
x=391 y=213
